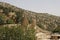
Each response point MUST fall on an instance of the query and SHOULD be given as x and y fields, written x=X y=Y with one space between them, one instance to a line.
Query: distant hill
x=10 y=14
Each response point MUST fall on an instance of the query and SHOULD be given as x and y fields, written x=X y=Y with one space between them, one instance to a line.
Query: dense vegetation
x=17 y=33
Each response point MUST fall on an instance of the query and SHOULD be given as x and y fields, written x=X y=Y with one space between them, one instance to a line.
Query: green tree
x=10 y=21
x=19 y=16
x=2 y=18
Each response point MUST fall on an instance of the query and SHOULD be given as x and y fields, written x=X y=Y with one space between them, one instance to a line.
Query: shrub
x=10 y=21
x=2 y=19
x=16 y=33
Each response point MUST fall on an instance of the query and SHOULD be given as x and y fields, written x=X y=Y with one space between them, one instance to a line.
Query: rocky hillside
x=10 y=14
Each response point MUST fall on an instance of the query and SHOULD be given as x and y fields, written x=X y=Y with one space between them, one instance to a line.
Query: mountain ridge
x=43 y=20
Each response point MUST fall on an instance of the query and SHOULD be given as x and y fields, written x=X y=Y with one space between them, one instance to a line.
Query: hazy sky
x=44 y=6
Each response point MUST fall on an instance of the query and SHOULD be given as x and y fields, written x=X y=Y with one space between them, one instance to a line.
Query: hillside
x=10 y=14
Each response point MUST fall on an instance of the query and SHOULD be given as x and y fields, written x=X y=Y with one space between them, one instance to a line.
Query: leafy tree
x=10 y=21
x=7 y=10
x=19 y=16
x=1 y=21
x=2 y=18
x=57 y=30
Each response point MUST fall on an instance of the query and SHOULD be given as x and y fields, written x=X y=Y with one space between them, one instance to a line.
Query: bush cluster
x=16 y=33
